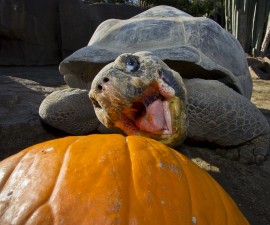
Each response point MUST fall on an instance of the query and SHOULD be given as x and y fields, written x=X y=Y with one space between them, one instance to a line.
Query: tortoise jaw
x=156 y=119
x=153 y=115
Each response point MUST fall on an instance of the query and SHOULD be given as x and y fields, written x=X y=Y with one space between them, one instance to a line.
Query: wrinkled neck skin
x=139 y=94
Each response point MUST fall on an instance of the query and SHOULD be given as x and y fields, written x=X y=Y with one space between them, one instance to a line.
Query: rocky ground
x=23 y=88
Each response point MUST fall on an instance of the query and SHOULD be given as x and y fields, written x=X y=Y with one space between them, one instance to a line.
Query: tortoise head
x=139 y=94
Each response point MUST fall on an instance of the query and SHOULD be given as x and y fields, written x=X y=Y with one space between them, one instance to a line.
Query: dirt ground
x=248 y=185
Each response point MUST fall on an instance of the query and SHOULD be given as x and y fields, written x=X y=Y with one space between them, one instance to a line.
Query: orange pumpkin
x=110 y=179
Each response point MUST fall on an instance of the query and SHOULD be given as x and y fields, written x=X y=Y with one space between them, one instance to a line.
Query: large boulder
x=29 y=32
x=44 y=32
x=79 y=20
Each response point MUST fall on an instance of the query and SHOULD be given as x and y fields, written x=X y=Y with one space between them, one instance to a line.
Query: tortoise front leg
x=220 y=115
x=69 y=110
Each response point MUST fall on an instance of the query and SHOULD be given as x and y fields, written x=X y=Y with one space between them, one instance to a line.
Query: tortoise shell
x=196 y=47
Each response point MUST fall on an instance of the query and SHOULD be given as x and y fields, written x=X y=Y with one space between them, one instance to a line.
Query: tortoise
x=166 y=75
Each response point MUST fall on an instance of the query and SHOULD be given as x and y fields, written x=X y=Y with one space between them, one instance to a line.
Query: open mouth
x=151 y=114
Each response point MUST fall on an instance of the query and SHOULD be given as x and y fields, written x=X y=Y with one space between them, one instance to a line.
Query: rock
x=259 y=67
x=44 y=32
x=29 y=32
x=267 y=62
x=258 y=73
x=21 y=91
x=255 y=62
x=79 y=21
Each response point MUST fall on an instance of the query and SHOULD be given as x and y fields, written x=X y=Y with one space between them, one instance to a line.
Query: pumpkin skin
x=110 y=179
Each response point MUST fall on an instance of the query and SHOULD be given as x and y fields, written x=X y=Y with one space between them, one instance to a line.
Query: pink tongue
x=153 y=120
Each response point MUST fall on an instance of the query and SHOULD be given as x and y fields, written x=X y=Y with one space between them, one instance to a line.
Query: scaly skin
x=69 y=110
x=219 y=115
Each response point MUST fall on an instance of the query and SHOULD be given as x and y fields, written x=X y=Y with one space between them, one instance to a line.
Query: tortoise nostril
x=99 y=87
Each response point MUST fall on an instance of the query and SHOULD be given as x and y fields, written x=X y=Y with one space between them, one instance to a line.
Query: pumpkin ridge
x=161 y=171
x=124 y=217
x=13 y=169
x=130 y=181
x=49 y=196
x=27 y=218
x=47 y=201
x=61 y=168
x=177 y=157
x=17 y=158
x=173 y=153
x=40 y=218
x=154 y=153
x=35 y=152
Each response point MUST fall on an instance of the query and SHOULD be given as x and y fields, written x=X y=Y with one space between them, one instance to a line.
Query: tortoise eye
x=132 y=64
